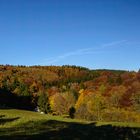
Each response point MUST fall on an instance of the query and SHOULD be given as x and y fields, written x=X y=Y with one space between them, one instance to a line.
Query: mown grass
x=27 y=125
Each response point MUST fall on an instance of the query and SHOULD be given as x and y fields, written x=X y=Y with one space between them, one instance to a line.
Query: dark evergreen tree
x=72 y=111
x=43 y=103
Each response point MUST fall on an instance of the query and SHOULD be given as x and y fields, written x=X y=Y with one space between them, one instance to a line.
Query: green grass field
x=26 y=125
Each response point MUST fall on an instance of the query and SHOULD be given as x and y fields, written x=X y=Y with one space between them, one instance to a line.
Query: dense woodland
x=96 y=95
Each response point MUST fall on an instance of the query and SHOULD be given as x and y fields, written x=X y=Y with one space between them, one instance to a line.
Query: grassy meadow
x=27 y=125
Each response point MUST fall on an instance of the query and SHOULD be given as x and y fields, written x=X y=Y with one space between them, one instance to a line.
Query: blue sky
x=92 y=33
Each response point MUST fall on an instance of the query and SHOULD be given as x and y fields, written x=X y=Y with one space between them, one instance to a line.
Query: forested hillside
x=104 y=95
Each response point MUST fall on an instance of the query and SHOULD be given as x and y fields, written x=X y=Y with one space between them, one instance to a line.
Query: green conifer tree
x=43 y=103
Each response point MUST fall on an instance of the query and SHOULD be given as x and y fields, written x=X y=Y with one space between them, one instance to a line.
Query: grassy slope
x=19 y=124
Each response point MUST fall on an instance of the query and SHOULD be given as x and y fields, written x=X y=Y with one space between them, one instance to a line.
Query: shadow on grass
x=1 y=116
x=57 y=130
x=7 y=120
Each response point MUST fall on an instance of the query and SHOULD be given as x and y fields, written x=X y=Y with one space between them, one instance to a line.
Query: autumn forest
x=94 y=95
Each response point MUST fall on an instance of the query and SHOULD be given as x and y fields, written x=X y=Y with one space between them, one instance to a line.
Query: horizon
x=93 y=34
x=66 y=66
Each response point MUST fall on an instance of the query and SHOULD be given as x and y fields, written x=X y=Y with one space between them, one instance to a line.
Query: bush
x=72 y=111
x=83 y=113
x=120 y=115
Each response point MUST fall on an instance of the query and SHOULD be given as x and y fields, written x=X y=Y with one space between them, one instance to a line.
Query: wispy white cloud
x=76 y=53
x=113 y=44
x=85 y=51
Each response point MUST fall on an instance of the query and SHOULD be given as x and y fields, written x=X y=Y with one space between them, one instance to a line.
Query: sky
x=97 y=34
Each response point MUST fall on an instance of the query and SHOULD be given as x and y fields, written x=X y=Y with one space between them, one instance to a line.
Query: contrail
x=85 y=51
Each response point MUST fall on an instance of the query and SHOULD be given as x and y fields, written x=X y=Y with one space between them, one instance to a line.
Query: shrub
x=83 y=113
x=120 y=115
x=72 y=111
